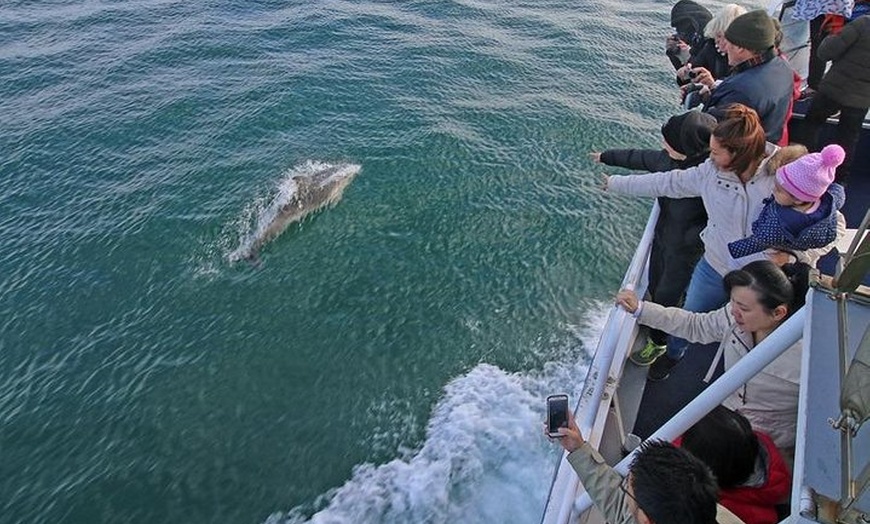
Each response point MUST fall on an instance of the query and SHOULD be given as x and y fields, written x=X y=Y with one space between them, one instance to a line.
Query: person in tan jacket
x=664 y=485
x=762 y=296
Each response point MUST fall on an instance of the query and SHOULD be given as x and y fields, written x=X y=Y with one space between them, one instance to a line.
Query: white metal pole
x=606 y=348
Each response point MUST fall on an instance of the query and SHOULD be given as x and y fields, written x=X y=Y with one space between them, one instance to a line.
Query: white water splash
x=484 y=458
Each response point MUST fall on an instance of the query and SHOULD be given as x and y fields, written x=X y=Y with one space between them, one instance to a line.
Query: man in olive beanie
x=753 y=30
x=759 y=78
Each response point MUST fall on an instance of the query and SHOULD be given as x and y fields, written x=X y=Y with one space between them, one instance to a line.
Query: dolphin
x=307 y=193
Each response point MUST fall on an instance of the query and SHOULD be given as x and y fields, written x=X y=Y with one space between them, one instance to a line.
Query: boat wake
x=484 y=458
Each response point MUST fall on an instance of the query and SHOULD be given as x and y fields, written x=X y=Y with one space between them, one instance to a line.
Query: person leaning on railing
x=762 y=297
x=733 y=185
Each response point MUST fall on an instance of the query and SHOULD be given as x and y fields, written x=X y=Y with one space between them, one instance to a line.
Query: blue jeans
x=706 y=292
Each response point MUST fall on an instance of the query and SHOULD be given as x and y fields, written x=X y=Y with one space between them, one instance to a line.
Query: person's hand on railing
x=628 y=300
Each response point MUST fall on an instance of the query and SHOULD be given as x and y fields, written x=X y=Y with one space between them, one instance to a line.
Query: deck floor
x=663 y=399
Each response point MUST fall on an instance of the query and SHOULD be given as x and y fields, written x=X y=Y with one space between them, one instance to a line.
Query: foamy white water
x=485 y=458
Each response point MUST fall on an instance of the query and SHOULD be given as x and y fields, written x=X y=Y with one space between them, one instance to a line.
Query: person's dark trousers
x=675 y=250
x=816 y=68
x=848 y=130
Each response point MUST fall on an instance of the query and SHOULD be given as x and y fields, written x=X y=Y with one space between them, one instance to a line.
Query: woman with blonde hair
x=712 y=56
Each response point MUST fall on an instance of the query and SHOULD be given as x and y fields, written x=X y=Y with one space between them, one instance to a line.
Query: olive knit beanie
x=808 y=177
x=753 y=30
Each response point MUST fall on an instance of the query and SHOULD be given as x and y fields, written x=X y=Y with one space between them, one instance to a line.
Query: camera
x=557 y=414
x=692 y=74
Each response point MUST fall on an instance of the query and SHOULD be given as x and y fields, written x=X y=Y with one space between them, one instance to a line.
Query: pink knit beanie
x=808 y=177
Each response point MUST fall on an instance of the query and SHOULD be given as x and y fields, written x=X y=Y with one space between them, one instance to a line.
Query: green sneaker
x=648 y=354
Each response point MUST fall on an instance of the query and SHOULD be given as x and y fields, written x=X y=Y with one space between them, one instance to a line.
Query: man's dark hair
x=672 y=486
x=724 y=440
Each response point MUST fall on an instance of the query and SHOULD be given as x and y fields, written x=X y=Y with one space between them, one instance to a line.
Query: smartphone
x=557 y=414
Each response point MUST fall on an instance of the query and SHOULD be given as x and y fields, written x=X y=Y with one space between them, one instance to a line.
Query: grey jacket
x=769 y=399
x=848 y=80
x=731 y=205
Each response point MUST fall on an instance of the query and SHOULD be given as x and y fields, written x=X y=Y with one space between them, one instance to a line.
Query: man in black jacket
x=676 y=245
x=688 y=18
x=844 y=88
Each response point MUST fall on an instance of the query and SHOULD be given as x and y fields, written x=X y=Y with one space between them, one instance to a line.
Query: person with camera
x=711 y=55
x=759 y=79
x=688 y=19
x=664 y=485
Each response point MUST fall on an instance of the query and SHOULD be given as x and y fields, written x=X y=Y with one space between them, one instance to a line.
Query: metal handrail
x=848 y=277
x=602 y=363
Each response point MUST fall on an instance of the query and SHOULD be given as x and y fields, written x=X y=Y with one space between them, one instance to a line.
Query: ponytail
x=775 y=286
x=798 y=275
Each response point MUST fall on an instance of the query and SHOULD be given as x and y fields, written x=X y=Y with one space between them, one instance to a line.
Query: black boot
x=661 y=368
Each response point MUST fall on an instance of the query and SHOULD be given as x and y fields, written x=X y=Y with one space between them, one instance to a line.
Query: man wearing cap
x=759 y=78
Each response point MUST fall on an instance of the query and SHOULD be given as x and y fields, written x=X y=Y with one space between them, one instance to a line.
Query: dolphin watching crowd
x=746 y=210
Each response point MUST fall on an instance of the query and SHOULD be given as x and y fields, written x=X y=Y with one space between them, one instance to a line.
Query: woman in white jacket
x=733 y=184
x=762 y=296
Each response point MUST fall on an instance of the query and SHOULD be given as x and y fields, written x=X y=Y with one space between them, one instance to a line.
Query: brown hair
x=740 y=132
x=784 y=155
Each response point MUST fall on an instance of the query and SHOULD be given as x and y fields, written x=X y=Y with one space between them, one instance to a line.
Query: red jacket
x=757 y=505
x=795 y=94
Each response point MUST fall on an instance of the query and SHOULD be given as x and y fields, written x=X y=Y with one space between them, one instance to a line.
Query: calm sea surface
x=389 y=358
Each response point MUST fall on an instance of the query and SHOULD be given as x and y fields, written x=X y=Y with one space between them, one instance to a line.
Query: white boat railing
x=605 y=373
x=564 y=486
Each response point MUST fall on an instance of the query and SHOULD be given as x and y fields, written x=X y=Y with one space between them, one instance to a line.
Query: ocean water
x=388 y=358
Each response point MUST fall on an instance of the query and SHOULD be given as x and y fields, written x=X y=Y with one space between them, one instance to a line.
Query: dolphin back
x=301 y=191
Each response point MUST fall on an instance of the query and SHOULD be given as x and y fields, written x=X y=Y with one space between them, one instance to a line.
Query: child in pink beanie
x=802 y=212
